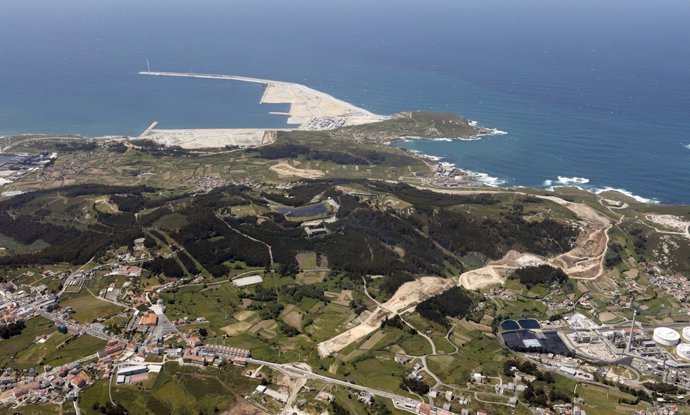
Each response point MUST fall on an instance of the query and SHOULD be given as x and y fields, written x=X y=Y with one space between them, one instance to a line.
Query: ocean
x=588 y=92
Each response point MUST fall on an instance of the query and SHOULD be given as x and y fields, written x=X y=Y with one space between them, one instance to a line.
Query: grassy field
x=136 y=167
x=11 y=347
x=57 y=350
x=41 y=409
x=217 y=303
x=602 y=401
x=88 y=308
x=175 y=390
x=101 y=282
x=329 y=321
x=37 y=353
x=306 y=260
x=483 y=354
x=415 y=345
x=76 y=348
x=377 y=370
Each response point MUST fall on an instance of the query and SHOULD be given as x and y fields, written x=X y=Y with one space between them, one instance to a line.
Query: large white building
x=132 y=370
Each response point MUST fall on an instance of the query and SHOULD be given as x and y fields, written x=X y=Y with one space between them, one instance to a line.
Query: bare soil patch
x=285 y=170
x=408 y=295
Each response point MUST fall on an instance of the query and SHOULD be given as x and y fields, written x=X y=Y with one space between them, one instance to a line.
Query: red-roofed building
x=424 y=409
x=150 y=319
x=192 y=358
x=19 y=391
x=194 y=341
x=79 y=380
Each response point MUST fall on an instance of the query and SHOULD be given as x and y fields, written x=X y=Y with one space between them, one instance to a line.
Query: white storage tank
x=666 y=336
x=683 y=351
x=686 y=334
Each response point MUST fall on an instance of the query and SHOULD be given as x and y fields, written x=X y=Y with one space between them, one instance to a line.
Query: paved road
x=291 y=370
x=90 y=331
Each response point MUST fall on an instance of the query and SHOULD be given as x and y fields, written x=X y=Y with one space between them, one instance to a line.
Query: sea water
x=594 y=94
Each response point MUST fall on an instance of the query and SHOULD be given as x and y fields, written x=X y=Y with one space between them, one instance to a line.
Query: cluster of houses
x=675 y=285
x=668 y=409
x=564 y=409
x=421 y=408
x=19 y=305
x=58 y=384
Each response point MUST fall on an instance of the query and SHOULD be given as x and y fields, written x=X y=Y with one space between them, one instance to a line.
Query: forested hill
x=420 y=233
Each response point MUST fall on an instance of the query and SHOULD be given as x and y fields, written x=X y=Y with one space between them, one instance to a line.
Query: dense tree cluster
x=394 y=321
x=337 y=409
x=288 y=151
x=494 y=237
x=302 y=194
x=364 y=241
x=18 y=201
x=540 y=275
x=544 y=395
x=67 y=244
x=639 y=241
x=118 y=147
x=213 y=243
x=379 y=408
x=528 y=368
x=347 y=155
x=72 y=146
x=663 y=388
x=415 y=386
x=613 y=255
x=640 y=394
x=11 y=329
x=129 y=203
x=166 y=266
x=456 y=302
x=287 y=330
x=158 y=150
x=188 y=262
x=295 y=293
x=108 y=409
x=427 y=200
